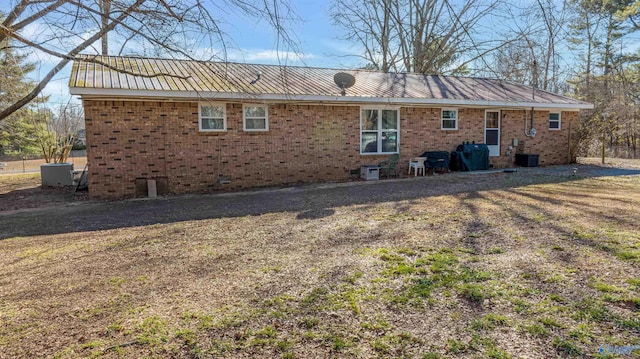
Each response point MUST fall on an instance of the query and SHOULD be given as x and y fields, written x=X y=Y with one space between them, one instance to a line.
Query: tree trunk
x=106 y=12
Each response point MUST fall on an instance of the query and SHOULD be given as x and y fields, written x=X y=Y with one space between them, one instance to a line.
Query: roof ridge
x=223 y=62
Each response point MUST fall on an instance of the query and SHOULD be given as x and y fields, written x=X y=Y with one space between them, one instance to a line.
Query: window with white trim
x=449 y=119
x=555 y=121
x=212 y=117
x=379 y=130
x=255 y=117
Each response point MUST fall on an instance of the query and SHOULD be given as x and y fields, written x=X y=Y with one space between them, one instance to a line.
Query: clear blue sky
x=319 y=41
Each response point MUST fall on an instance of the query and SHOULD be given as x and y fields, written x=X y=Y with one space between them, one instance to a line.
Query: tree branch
x=36 y=16
x=65 y=60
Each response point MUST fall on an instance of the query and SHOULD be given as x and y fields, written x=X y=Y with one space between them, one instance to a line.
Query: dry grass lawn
x=530 y=270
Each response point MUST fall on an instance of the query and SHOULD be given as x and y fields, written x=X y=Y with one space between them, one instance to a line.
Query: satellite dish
x=344 y=81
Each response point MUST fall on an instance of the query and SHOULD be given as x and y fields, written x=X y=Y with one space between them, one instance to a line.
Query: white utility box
x=370 y=173
x=56 y=174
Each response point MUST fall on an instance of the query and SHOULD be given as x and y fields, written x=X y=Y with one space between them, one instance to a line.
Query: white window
x=255 y=117
x=213 y=117
x=449 y=119
x=379 y=130
x=555 y=121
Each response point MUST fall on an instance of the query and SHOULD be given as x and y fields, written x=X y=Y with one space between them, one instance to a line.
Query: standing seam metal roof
x=158 y=75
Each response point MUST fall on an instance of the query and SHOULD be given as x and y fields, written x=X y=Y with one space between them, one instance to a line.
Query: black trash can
x=474 y=156
x=455 y=164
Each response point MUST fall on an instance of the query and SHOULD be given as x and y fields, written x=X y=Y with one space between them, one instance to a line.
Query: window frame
x=442 y=119
x=224 y=116
x=244 y=117
x=559 y=121
x=380 y=130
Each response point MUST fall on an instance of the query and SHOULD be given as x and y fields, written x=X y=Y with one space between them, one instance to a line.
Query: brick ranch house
x=188 y=124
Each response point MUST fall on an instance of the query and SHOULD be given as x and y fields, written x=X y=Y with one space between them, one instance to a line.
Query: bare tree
x=56 y=131
x=534 y=58
x=554 y=19
x=424 y=36
x=168 y=27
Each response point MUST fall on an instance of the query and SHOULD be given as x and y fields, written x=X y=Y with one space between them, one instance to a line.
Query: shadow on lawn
x=309 y=203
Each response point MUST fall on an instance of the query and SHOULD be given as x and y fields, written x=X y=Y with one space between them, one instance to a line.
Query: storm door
x=492 y=131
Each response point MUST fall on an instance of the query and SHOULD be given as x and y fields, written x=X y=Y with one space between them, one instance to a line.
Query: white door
x=492 y=131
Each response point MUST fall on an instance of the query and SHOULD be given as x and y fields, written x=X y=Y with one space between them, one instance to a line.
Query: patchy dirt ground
x=540 y=263
x=24 y=191
x=20 y=186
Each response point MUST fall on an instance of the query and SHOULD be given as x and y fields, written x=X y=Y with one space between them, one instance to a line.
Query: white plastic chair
x=417 y=163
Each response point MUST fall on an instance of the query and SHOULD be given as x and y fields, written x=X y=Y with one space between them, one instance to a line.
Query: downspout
x=165 y=132
x=532 y=132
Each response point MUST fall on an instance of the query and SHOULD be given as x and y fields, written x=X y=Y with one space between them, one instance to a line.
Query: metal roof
x=115 y=76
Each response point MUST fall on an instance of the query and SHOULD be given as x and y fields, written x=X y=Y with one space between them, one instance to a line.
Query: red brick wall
x=305 y=143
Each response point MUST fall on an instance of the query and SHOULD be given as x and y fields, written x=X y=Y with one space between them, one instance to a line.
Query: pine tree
x=17 y=132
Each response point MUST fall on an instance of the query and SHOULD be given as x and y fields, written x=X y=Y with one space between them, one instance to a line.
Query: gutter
x=137 y=95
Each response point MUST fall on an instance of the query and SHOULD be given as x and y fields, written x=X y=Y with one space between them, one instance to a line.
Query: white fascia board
x=212 y=95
